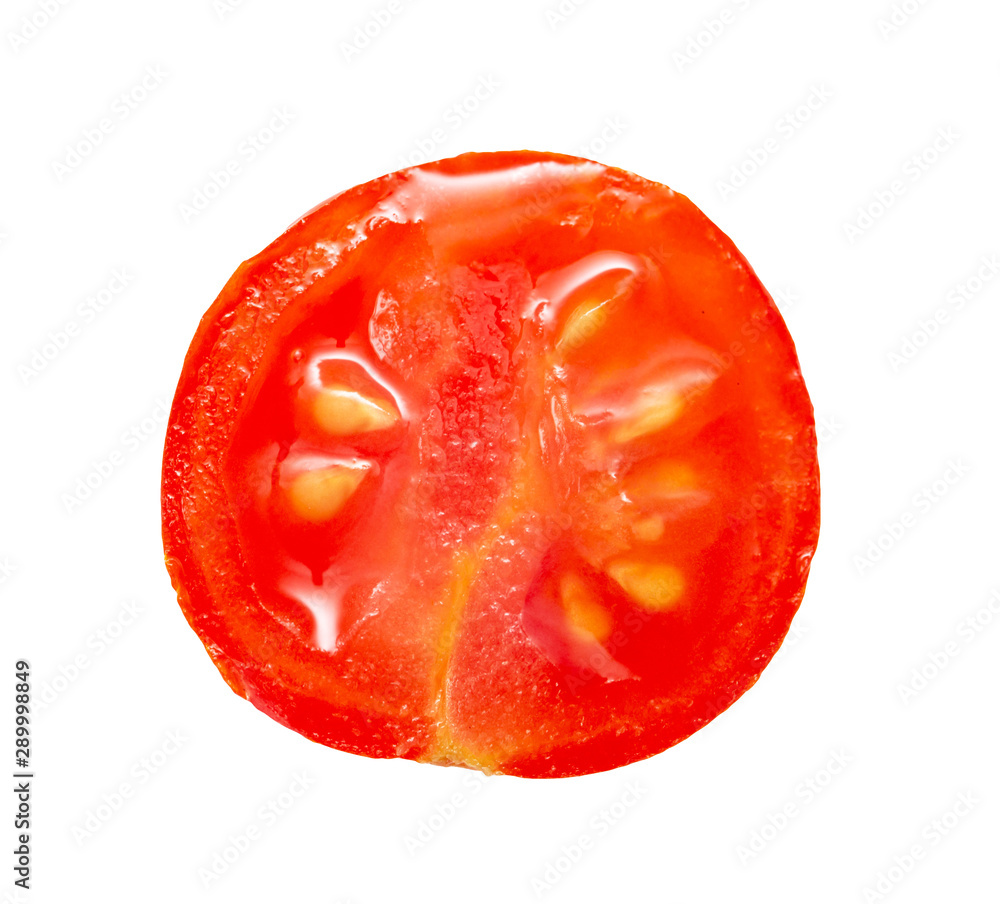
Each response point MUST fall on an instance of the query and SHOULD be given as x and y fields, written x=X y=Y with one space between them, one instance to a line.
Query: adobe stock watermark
x=561 y=12
x=225 y=8
x=374 y=26
x=95 y=645
x=267 y=816
x=600 y=826
x=797 y=632
x=130 y=441
x=34 y=23
x=444 y=813
x=930 y=327
x=84 y=314
x=141 y=773
x=612 y=129
x=786 y=127
x=426 y=148
x=931 y=835
x=772 y=490
x=803 y=795
x=247 y=151
x=7 y=569
x=922 y=503
x=914 y=169
x=751 y=331
x=547 y=199
x=934 y=663
x=712 y=29
x=82 y=148
x=898 y=17
x=786 y=299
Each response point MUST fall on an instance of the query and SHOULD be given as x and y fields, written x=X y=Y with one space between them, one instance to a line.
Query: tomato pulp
x=504 y=461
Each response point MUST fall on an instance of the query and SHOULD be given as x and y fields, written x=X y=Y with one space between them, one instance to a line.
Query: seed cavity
x=590 y=289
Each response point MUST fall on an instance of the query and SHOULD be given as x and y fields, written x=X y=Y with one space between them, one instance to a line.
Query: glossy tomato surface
x=504 y=461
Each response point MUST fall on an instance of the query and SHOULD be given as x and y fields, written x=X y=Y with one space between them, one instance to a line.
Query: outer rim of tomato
x=270 y=674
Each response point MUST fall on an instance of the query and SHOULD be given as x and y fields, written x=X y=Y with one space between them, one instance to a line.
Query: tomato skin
x=386 y=702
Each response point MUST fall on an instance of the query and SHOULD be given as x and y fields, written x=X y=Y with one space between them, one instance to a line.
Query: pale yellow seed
x=341 y=411
x=653 y=586
x=676 y=475
x=585 y=322
x=664 y=480
x=319 y=495
x=657 y=408
x=587 y=617
x=648 y=529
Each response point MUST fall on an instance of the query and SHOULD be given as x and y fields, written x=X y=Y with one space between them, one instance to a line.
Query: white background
x=851 y=298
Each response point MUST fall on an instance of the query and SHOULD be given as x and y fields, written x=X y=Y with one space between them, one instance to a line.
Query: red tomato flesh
x=504 y=461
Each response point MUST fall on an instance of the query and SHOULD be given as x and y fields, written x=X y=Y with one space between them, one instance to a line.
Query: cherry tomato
x=505 y=461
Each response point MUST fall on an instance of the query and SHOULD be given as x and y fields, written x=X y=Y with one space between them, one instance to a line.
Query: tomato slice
x=505 y=461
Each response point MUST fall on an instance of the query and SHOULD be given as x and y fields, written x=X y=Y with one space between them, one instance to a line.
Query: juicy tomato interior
x=516 y=470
